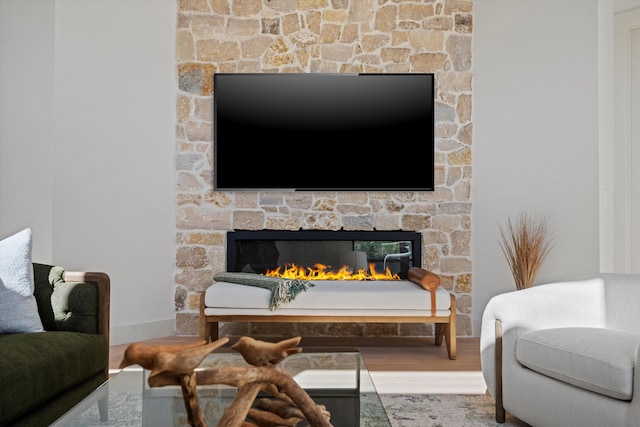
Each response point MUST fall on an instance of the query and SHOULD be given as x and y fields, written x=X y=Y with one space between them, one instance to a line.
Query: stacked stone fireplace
x=308 y=36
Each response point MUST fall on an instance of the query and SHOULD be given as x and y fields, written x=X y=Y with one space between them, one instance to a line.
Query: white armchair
x=565 y=354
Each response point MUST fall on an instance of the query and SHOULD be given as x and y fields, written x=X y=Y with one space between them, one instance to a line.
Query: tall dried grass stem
x=526 y=243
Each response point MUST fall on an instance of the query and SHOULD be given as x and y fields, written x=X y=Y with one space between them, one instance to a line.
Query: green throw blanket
x=282 y=290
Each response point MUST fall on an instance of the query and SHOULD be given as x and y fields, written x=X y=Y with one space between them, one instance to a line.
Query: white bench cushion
x=331 y=297
x=595 y=359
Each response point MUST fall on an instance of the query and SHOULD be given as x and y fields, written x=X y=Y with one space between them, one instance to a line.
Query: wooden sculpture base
x=176 y=364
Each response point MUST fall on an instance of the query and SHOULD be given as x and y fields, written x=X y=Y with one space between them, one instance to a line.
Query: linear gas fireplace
x=381 y=252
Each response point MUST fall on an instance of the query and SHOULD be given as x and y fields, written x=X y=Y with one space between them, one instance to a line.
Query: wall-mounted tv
x=323 y=132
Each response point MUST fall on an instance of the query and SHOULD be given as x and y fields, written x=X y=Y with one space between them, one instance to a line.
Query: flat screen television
x=323 y=132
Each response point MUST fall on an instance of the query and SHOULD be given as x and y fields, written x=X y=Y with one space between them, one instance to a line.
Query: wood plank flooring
x=379 y=354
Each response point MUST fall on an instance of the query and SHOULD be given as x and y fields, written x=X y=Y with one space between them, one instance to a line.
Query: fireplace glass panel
x=260 y=251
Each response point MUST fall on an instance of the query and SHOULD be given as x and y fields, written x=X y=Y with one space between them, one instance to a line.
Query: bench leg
x=439 y=332
x=212 y=331
x=450 y=338
x=450 y=333
x=208 y=330
x=447 y=331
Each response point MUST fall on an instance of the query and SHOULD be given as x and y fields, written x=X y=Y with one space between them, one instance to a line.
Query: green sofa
x=44 y=374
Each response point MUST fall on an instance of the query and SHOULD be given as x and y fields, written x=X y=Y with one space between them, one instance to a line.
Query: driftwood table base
x=290 y=404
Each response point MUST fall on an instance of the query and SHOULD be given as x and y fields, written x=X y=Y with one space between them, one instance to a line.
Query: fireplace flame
x=323 y=272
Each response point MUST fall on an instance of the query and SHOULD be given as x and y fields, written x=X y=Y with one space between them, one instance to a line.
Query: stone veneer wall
x=376 y=36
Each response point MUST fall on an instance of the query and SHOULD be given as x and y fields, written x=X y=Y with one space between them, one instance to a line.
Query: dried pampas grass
x=526 y=243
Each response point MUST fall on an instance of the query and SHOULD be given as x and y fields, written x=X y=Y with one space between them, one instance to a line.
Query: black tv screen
x=323 y=131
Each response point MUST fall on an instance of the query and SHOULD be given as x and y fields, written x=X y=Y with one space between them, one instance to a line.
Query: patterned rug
x=444 y=410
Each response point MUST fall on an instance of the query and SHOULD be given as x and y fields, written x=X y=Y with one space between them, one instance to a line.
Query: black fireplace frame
x=235 y=237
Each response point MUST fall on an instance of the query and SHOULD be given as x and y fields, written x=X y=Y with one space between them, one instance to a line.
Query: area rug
x=124 y=411
x=444 y=410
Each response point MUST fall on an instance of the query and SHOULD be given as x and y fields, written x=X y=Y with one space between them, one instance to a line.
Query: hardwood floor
x=379 y=354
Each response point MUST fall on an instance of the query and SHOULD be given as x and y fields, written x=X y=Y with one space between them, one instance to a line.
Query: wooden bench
x=334 y=302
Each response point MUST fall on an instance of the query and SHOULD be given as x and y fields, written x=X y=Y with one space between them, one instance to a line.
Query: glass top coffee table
x=336 y=378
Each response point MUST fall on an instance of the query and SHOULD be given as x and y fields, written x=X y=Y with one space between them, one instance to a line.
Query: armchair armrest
x=575 y=303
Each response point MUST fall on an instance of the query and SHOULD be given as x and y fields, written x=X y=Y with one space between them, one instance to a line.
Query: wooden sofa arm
x=103 y=283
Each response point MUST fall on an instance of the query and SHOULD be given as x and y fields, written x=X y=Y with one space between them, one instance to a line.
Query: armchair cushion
x=597 y=359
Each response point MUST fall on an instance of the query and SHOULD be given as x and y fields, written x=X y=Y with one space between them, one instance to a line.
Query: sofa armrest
x=103 y=284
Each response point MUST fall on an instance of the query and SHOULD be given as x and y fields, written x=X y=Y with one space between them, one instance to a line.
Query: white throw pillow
x=18 y=307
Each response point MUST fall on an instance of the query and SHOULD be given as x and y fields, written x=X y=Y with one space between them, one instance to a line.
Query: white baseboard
x=141 y=331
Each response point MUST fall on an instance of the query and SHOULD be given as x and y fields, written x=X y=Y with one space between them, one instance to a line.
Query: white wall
x=26 y=114
x=606 y=132
x=87 y=135
x=622 y=5
x=535 y=142
x=91 y=144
